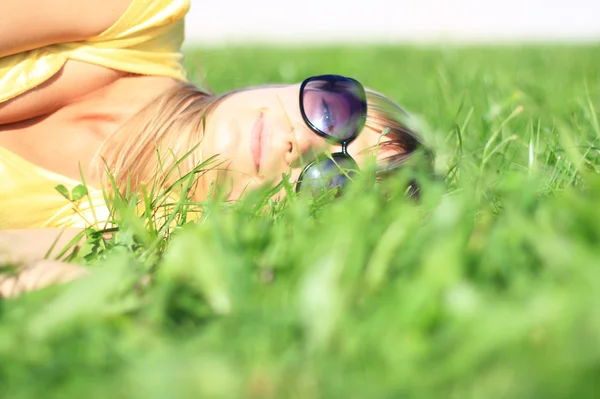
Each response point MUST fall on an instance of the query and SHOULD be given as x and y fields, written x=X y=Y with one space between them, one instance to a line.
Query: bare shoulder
x=29 y=24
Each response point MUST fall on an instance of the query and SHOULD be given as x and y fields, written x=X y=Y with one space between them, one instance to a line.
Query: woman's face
x=259 y=134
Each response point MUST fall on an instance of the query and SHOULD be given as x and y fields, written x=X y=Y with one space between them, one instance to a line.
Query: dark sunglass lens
x=335 y=107
x=327 y=174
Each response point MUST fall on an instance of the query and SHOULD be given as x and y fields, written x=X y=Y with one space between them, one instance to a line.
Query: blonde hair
x=144 y=149
x=384 y=116
x=147 y=147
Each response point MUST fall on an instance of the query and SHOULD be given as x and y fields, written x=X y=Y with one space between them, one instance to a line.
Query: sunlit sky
x=392 y=20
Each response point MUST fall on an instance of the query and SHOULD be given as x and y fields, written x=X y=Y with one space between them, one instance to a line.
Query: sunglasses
x=335 y=108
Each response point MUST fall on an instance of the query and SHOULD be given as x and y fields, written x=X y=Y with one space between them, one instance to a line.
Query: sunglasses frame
x=344 y=142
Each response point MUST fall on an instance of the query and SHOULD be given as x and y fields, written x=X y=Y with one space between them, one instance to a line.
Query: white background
x=323 y=21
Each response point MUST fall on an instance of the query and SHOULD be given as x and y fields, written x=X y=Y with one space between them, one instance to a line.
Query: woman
x=66 y=83
x=99 y=91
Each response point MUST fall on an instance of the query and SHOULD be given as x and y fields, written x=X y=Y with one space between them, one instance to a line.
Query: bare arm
x=29 y=24
x=75 y=80
x=27 y=249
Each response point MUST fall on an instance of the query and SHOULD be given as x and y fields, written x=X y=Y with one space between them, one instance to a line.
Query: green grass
x=486 y=288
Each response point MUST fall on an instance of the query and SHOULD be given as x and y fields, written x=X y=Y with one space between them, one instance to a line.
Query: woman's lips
x=259 y=141
x=256 y=140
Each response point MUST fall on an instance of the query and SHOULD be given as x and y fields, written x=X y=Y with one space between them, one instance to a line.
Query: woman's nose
x=302 y=144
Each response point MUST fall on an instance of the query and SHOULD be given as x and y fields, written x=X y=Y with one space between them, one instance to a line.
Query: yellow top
x=29 y=199
x=146 y=40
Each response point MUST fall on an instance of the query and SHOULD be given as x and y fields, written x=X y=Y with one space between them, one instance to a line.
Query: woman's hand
x=27 y=250
x=39 y=274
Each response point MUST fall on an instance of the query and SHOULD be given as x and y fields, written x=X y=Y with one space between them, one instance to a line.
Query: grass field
x=488 y=287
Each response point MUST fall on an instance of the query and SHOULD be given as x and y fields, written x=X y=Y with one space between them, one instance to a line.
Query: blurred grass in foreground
x=487 y=288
